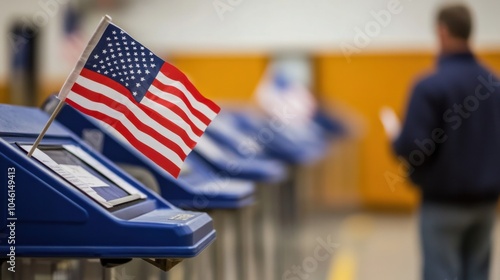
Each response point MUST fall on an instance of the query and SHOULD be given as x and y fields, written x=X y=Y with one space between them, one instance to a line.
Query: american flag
x=280 y=95
x=145 y=99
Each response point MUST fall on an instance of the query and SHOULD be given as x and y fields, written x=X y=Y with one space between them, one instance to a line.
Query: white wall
x=255 y=26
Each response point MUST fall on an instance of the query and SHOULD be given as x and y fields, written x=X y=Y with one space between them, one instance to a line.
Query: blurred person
x=450 y=140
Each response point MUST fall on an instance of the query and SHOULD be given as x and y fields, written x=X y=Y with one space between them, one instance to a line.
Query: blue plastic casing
x=53 y=218
x=294 y=145
x=231 y=151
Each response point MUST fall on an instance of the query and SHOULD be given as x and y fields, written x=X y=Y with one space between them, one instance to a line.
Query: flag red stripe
x=96 y=77
x=172 y=72
x=174 y=108
x=145 y=149
x=177 y=92
x=117 y=106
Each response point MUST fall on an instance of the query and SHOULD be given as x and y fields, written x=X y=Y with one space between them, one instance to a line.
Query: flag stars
x=125 y=61
x=114 y=32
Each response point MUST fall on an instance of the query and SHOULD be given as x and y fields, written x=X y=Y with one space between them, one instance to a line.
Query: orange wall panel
x=227 y=78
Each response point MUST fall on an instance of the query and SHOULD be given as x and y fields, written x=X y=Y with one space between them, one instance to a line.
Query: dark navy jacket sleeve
x=422 y=117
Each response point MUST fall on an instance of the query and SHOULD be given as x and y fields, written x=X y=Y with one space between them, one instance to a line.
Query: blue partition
x=69 y=201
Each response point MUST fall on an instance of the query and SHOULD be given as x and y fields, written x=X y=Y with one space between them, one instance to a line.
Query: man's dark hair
x=457 y=19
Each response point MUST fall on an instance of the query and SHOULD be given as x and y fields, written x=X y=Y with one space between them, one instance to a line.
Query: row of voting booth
x=87 y=205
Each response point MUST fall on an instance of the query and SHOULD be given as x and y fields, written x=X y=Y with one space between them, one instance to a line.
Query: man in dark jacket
x=451 y=141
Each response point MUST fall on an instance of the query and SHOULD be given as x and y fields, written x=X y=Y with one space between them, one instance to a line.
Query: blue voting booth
x=199 y=186
x=225 y=144
x=249 y=134
x=70 y=202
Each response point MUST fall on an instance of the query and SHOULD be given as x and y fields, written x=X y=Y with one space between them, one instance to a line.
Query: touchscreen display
x=86 y=174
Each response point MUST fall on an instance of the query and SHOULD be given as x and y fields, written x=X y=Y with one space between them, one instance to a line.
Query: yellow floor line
x=343 y=266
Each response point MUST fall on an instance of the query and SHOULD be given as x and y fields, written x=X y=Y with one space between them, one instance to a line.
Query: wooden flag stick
x=66 y=88
x=46 y=127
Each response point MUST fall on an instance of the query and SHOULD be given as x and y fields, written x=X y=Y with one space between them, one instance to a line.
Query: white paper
x=83 y=175
x=390 y=121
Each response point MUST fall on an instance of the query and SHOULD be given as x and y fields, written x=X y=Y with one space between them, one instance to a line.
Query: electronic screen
x=86 y=174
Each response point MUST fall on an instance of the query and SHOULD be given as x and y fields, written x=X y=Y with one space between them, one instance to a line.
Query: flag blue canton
x=124 y=60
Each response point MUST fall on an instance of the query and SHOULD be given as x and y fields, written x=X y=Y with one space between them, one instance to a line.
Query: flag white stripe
x=141 y=115
x=204 y=109
x=175 y=100
x=139 y=135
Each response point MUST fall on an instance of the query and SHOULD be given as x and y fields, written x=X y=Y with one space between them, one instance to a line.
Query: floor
x=369 y=247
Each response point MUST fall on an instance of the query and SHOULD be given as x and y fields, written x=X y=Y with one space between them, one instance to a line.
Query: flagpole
x=66 y=88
